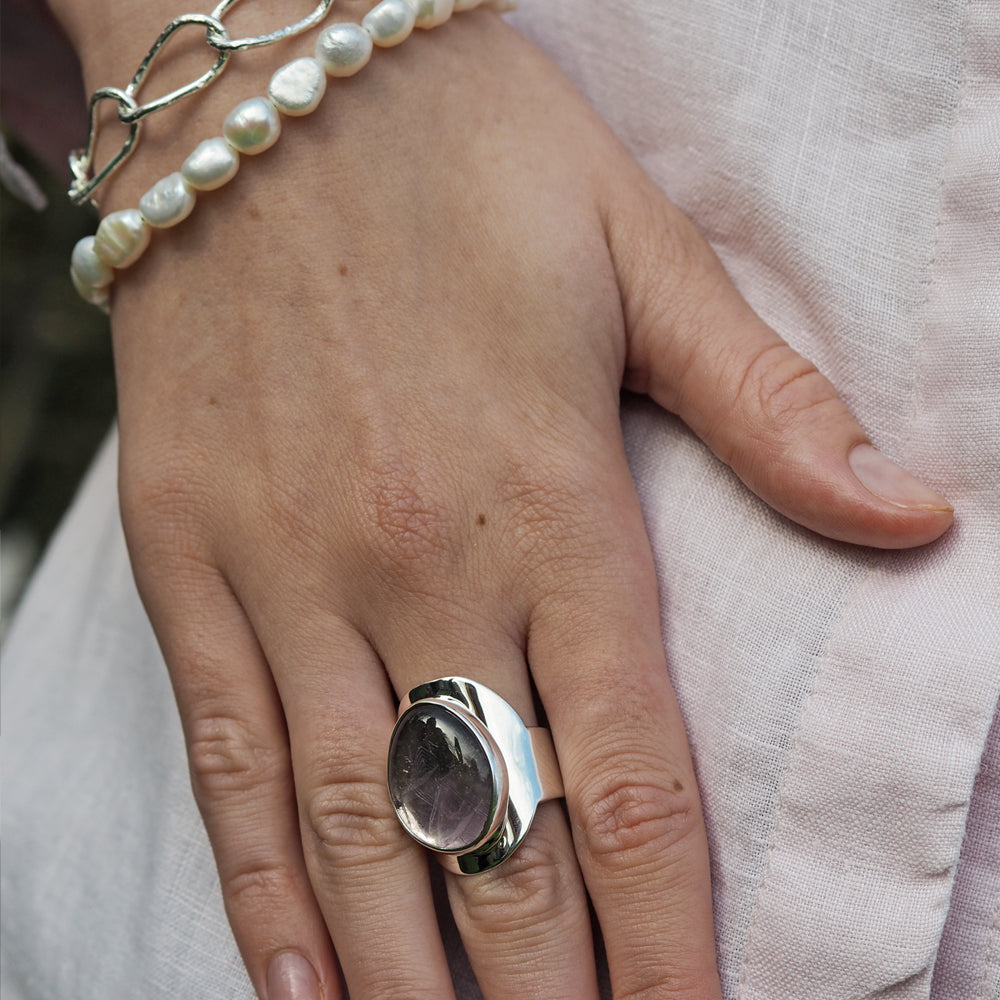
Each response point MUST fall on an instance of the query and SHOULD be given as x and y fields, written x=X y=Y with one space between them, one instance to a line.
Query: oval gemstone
x=441 y=778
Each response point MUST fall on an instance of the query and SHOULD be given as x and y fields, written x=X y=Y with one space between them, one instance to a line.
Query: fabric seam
x=932 y=262
x=821 y=658
x=991 y=955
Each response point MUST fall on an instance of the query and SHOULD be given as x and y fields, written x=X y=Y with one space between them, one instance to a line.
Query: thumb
x=700 y=351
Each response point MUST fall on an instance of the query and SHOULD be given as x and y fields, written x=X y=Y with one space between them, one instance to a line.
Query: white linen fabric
x=844 y=159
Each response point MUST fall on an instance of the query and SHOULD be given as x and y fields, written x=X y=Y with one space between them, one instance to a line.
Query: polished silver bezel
x=492 y=716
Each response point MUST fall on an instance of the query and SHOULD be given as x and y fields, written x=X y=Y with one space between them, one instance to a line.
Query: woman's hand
x=369 y=437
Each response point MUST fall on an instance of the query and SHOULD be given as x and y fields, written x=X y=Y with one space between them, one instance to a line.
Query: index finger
x=597 y=658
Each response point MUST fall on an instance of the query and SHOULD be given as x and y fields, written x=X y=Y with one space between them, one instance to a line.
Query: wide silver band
x=466 y=775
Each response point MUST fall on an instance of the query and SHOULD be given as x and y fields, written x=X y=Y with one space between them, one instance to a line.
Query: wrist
x=192 y=50
x=110 y=38
x=114 y=39
x=168 y=136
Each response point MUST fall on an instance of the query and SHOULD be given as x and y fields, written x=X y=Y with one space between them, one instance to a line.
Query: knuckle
x=258 y=887
x=166 y=516
x=289 y=503
x=658 y=982
x=555 y=514
x=633 y=802
x=392 y=983
x=167 y=495
x=549 y=503
x=528 y=889
x=782 y=385
x=351 y=823
x=629 y=821
x=409 y=525
x=226 y=758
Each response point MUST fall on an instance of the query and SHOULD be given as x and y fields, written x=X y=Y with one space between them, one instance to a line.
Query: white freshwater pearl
x=253 y=126
x=298 y=87
x=90 y=269
x=169 y=201
x=343 y=49
x=212 y=164
x=431 y=13
x=121 y=237
x=99 y=296
x=390 y=22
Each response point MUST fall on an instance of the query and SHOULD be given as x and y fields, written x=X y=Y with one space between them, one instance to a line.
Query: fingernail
x=291 y=977
x=891 y=483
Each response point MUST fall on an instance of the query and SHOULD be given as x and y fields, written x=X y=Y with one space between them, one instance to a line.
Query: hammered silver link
x=132 y=113
x=240 y=44
x=212 y=24
x=81 y=160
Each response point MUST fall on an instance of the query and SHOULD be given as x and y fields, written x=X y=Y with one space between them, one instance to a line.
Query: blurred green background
x=57 y=394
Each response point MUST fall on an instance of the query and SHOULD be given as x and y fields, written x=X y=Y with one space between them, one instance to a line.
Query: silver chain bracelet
x=252 y=127
x=131 y=112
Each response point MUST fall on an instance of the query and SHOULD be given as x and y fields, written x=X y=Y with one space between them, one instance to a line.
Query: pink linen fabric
x=844 y=159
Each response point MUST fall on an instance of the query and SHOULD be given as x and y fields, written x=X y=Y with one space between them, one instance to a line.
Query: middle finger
x=526 y=923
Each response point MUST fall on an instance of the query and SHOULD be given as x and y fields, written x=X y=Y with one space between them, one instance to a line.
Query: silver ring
x=466 y=774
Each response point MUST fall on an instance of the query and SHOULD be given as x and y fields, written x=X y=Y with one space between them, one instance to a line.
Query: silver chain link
x=131 y=112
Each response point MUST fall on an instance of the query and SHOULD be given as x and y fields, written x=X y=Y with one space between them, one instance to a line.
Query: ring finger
x=370 y=879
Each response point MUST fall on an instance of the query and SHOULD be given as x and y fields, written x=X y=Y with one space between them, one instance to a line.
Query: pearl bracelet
x=253 y=126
